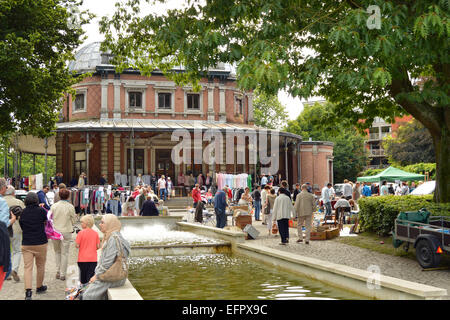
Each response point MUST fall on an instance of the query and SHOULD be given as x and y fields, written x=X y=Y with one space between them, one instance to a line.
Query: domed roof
x=90 y=56
x=87 y=58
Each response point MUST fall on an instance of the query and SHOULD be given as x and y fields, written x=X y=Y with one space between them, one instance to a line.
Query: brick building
x=124 y=123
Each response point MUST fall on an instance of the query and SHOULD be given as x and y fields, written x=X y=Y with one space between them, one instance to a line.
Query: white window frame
x=236 y=107
x=200 y=104
x=82 y=91
x=164 y=89
x=135 y=88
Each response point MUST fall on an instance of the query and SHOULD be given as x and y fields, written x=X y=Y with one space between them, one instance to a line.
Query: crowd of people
x=273 y=205
x=25 y=226
x=25 y=233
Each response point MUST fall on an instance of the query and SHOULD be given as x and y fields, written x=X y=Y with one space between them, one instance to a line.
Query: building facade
x=125 y=124
x=375 y=135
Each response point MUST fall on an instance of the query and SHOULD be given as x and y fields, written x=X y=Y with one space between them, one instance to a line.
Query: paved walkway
x=360 y=258
x=13 y=290
x=329 y=250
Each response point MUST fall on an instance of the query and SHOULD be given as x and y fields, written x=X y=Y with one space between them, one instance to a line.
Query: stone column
x=104 y=153
x=250 y=107
x=211 y=103
x=222 y=113
x=104 y=106
x=117 y=114
x=116 y=152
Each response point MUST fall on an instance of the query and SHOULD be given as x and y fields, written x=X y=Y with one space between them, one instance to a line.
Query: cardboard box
x=242 y=221
x=332 y=233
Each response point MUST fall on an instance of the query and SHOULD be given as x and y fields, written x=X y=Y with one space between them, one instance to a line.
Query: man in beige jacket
x=64 y=218
x=305 y=206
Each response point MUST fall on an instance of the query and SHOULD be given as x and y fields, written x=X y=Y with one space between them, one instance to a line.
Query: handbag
x=50 y=229
x=267 y=209
x=274 y=228
x=119 y=269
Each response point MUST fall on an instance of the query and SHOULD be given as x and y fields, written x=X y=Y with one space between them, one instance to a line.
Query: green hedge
x=377 y=214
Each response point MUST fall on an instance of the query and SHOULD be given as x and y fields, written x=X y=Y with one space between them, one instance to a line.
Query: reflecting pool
x=222 y=277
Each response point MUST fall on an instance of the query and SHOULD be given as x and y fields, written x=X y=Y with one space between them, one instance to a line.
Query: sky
x=101 y=8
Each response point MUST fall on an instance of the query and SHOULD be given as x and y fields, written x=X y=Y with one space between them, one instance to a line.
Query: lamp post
x=88 y=148
x=46 y=147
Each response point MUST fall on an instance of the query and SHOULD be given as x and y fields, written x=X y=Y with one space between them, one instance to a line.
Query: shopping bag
x=274 y=228
x=50 y=230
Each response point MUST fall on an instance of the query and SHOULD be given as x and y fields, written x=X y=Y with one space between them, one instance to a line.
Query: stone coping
x=171 y=217
x=419 y=290
x=213 y=231
x=125 y=292
x=198 y=245
x=338 y=273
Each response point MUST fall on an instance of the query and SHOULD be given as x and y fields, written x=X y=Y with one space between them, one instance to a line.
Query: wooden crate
x=242 y=221
x=318 y=235
x=332 y=233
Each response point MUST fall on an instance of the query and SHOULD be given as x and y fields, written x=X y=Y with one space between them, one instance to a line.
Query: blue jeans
x=328 y=209
x=162 y=194
x=257 y=204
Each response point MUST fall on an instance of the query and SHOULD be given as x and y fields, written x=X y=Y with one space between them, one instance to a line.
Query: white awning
x=31 y=144
x=158 y=125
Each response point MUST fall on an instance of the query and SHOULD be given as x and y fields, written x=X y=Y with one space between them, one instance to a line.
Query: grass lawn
x=371 y=241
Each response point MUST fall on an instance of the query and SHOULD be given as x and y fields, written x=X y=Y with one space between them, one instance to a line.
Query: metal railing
x=376 y=152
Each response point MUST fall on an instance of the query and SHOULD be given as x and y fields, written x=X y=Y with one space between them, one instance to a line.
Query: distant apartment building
x=375 y=135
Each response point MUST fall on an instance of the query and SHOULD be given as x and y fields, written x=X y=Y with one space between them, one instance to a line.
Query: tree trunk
x=437 y=120
x=442 y=149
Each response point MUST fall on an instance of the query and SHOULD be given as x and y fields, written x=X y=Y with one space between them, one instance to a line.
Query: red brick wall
x=94 y=92
x=314 y=167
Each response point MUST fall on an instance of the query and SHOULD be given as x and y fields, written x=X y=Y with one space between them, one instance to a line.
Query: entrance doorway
x=138 y=162
x=164 y=164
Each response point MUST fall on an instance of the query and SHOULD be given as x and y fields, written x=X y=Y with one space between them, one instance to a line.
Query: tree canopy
x=410 y=144
x=350 y=155
x=366 y=62
x=268 y=111
x=37 y=38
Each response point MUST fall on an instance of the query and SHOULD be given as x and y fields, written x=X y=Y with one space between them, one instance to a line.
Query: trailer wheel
x=426 y=255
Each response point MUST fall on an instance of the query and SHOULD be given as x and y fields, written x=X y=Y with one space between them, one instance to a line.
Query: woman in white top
x=246 y=198
x=283 y=210
x=162 y=187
